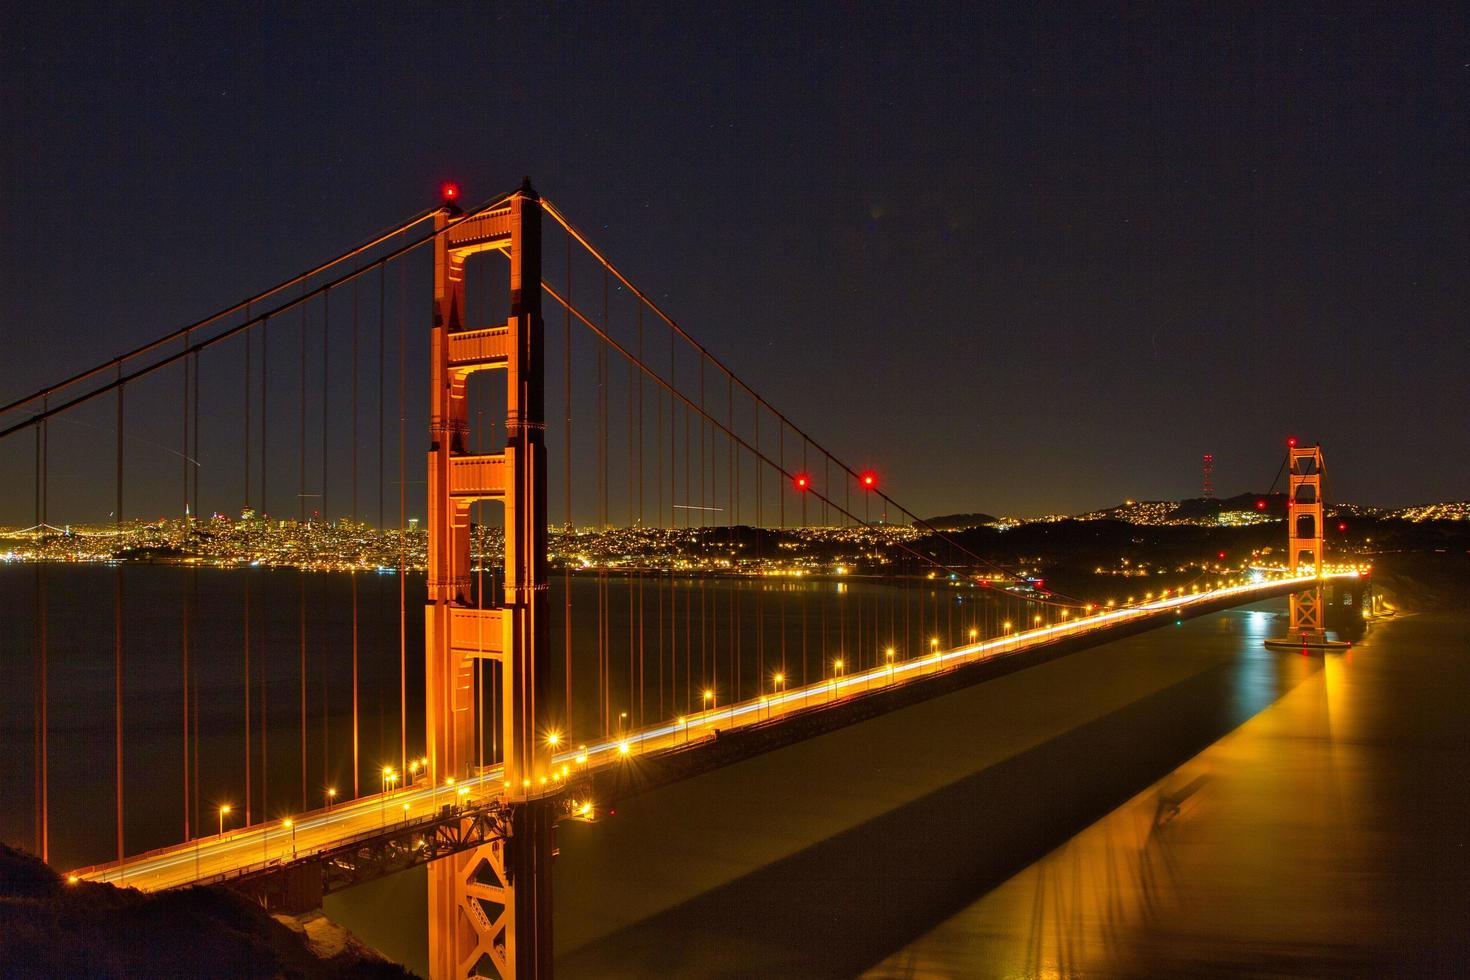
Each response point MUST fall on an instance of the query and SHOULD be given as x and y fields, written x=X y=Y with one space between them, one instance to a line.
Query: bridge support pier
x=490 y=908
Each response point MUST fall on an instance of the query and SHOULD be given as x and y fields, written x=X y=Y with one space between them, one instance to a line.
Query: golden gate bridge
x=619 y=419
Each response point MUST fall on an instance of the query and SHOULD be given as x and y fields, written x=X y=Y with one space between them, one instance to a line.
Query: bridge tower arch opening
x=490 y=907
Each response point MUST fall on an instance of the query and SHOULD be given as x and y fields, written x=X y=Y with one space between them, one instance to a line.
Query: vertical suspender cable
x=117 y=630
x=356 y=530
x=264 y=646
x=322 y=659
x=246 y=619
x=402 y=538
x=604 y=664
x=43 y=781
x=382 y=300
x=805 y=444
x=739 y=660
x=194 y=434
x=246 y=336
x=301 y=430
x=841 y=597
x=301 y=573
x=659 y=522
x=781 y=596
x=185 y=622
x=673 y=499
x=760 y=617
x=688 y=586
x=264 y=428
x=732 y=518
x=641 y=577
x=704 y=669
x=194 y=596
x=633 y=677
x=566 y=470
x=326 y=363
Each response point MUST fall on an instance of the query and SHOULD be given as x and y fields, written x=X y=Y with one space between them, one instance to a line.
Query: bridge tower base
x=490 y=908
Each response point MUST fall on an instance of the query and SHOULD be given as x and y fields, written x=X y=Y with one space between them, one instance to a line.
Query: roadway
x=283 y=840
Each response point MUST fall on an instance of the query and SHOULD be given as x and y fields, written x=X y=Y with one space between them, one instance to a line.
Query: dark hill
x=49 y=928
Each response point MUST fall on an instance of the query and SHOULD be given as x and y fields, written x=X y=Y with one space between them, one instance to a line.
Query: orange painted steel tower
x=1304 y=538
x=491 y=905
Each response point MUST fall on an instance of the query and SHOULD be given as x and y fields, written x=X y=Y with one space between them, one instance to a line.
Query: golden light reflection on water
x=1275 y=850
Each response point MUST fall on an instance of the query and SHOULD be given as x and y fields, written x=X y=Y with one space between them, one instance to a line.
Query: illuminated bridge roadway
x=265 y=849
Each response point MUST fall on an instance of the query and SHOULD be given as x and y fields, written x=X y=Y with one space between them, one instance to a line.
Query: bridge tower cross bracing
x=491 y=904
x=1304 y=537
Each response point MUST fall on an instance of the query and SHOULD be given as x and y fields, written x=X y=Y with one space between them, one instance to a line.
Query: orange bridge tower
x=490 y=907
x=1304 y=538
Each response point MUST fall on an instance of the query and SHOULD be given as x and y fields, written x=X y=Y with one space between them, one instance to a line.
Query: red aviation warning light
x=1342 y=526
x=1291 y=442
x=450 y=192
x=801 y=481
x=1222 y=556
x=1261 y=504
x=869 y=480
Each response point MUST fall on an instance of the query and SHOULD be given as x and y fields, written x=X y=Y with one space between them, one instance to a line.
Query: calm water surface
x=1327 y=836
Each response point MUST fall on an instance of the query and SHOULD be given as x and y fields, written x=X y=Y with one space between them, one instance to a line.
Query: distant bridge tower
x=1304 y=537
x=490 y=907
x=1207 y=474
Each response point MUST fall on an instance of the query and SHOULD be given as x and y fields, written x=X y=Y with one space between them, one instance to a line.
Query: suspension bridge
x=567 y=629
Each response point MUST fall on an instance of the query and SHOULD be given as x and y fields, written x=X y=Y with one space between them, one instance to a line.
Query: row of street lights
x=839 y=666
x=391 y=778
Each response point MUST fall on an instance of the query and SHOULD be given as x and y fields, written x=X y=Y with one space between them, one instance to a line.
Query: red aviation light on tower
x=801 y=482
x=1261 y=504
x=450 y=192
x=1291 y=442
x=869 y=480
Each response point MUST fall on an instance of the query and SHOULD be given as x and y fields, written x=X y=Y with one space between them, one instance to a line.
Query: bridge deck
x=260 y=846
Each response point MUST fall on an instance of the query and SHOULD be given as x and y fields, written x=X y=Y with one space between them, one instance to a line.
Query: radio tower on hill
x=1207 y=472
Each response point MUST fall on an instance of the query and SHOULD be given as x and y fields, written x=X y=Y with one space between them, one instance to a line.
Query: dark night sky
x=1024 y=261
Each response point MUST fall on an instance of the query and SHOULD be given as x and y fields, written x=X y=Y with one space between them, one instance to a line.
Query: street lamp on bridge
x=389 y=778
